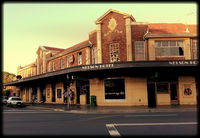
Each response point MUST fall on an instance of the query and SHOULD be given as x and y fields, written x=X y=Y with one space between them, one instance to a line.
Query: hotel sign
x=140 y=64
x=183 y=62
x=102 y=66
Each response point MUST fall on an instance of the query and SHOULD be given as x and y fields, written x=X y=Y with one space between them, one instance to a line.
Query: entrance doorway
x=173 y=96
x=82 y=88
x=53 y=93
x=151 y=95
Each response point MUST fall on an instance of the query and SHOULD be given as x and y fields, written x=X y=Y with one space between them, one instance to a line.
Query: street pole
x=68 y=104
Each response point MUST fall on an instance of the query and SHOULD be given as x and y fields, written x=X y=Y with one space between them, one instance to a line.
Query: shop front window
x=162 y=87
x=114 y=89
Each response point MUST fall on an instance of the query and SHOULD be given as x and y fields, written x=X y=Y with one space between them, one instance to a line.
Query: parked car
x=4 y=99
x=17 y=101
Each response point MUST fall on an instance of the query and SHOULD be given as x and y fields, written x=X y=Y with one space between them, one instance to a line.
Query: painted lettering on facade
x=183 y=62
x=102 y=66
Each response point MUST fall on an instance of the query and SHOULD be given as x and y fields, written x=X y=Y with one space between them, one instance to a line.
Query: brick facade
x=117 y=35
x=120 y=28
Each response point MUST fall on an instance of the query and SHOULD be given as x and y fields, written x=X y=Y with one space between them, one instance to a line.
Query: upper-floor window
x=40 y=56
x=114 y=52
x=53 y=65
x=49 y=66
x=169 y=48
x=62 y=63
x=79 y=58
x=41 y=69
x=139 y=50
x=194 y=49
x=94 y=55
x=68 y=61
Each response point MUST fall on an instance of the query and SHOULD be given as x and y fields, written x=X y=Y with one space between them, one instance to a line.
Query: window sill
x=115 y=100
x=162 y=92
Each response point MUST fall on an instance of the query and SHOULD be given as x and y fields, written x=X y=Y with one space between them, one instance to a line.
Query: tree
x=8 y=77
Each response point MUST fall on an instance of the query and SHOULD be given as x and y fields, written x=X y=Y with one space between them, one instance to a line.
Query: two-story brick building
x=123 y=63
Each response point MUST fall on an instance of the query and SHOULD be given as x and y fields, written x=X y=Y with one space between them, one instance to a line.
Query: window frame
x=161 y=46
x=80 y=58
x=94 y=55
x=58 y=93
x=53 y=65
x=165 y=92
x=144 y=50
x=115 y=99
x=111 y=52
x=62 y=63
x=194 y=49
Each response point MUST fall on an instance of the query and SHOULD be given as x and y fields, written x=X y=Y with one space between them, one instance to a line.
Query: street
x=21 y=121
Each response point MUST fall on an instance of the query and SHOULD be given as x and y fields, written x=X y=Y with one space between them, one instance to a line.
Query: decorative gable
x=125 y=15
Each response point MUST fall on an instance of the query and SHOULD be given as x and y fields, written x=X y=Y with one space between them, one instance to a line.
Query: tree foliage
x=8 y=77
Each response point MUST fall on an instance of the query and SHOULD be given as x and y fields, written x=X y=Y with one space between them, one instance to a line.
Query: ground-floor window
x=162 y=87
x=59 y=93
x=114 y=89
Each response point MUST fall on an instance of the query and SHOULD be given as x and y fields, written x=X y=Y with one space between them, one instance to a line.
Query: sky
x=26 y=26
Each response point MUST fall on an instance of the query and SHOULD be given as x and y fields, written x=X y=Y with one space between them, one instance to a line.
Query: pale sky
x=26 y=26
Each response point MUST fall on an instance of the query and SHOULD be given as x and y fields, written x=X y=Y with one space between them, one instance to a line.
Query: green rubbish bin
x=93 y=101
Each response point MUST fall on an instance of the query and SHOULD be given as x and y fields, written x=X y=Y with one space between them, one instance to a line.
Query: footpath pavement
x=88 y=109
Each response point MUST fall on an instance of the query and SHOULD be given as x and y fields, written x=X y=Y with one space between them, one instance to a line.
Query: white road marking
x=156 y=115
x=155 y=124
x=29 y=112
x=112 y=130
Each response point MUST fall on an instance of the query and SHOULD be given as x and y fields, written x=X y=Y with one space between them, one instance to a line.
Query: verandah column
x=38 y=94
x=30 y=91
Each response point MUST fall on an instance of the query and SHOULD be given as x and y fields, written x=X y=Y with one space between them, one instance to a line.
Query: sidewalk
x=87 y=109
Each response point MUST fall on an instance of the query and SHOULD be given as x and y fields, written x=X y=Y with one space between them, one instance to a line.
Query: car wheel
x=19 y=104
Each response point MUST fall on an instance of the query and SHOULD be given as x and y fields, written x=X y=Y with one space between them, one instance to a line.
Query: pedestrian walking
x=72 y=96
x=65 y=94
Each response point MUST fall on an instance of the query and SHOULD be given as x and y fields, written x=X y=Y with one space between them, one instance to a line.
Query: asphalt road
x=20 y=121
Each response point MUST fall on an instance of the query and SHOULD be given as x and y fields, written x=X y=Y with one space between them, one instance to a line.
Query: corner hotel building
x=123 y=63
